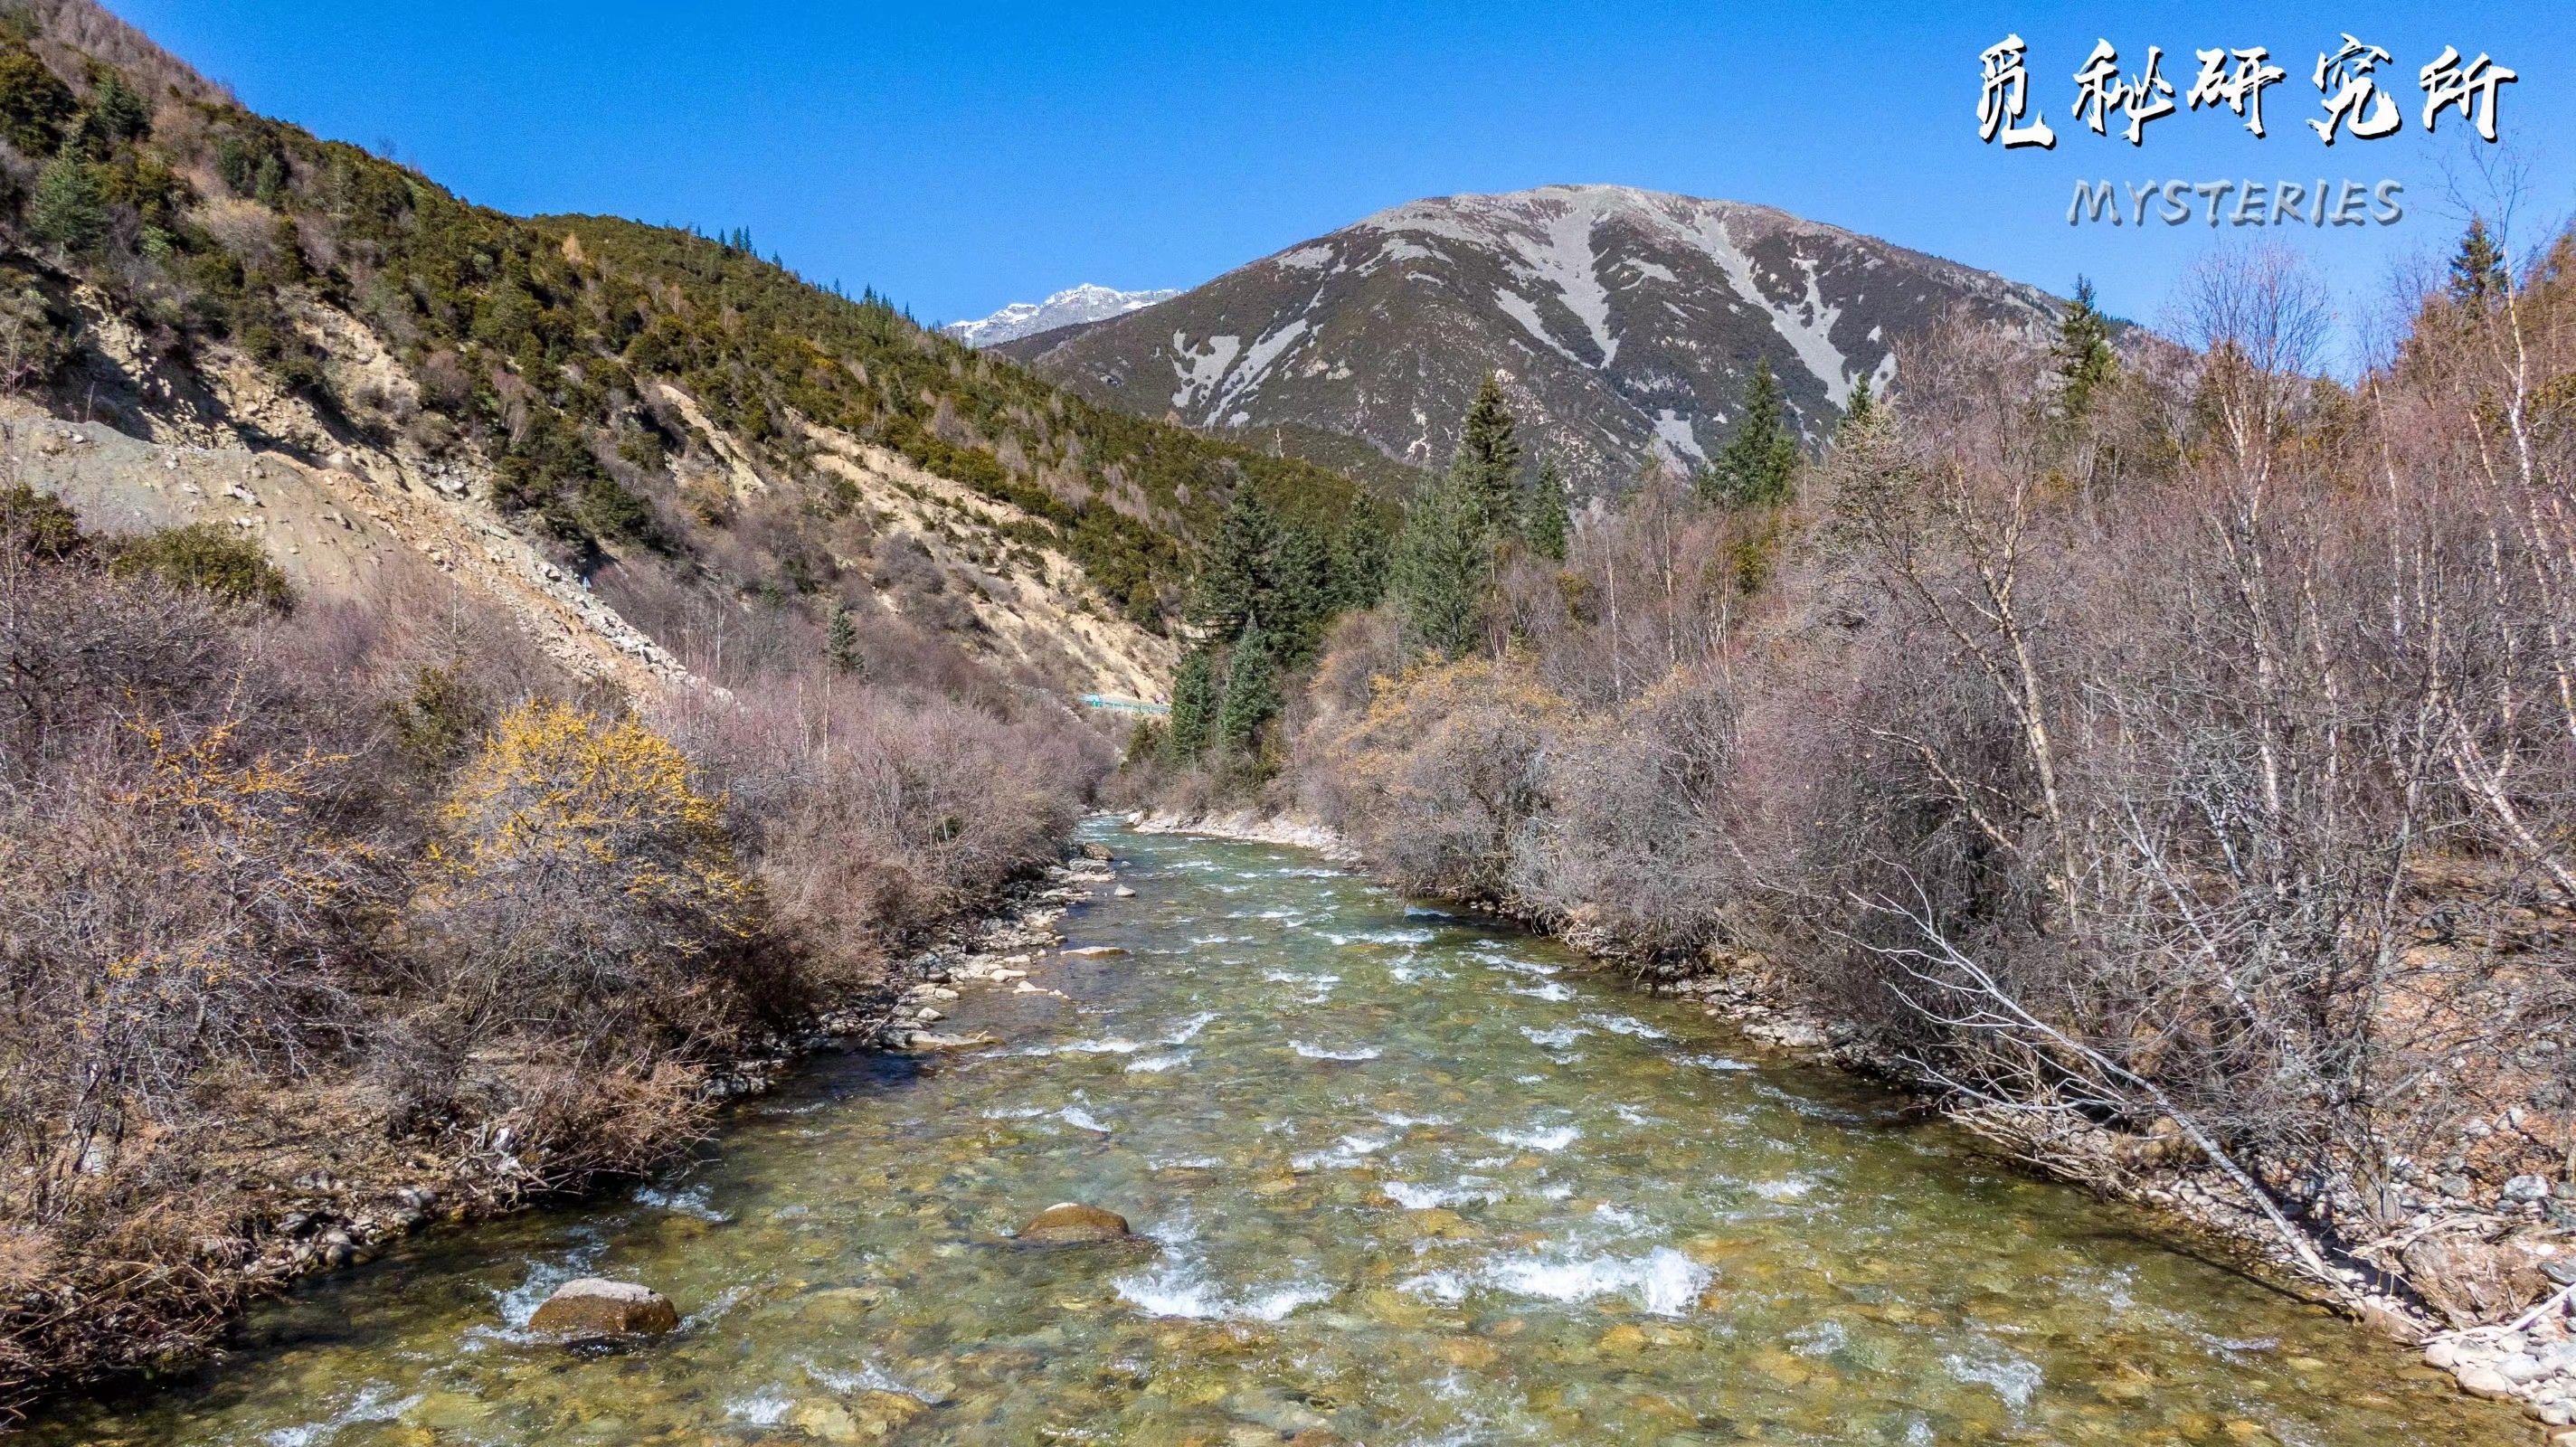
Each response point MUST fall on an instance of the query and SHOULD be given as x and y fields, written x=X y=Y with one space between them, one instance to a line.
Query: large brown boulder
x=594 y=1307
x=1069 y=1223
x=2471 y=1281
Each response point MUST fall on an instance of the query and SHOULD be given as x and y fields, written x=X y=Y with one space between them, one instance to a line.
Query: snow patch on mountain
x=1808 y=330
x=1073 y=305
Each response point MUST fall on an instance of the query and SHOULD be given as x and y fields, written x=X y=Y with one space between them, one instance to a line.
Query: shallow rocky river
x=1403 y=1179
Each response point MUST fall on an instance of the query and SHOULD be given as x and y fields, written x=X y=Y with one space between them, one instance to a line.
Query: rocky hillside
x=1624 y=322
x=590 y=416
x=1070 y=307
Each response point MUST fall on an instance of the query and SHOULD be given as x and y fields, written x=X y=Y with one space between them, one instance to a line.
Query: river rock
x=596 y=1307
x=926 y=1040
x=1070 y=1223
x=1123 y=892
x=1091 y=951
x=2486 y=1381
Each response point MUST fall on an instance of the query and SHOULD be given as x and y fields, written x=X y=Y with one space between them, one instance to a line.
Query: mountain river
x=1399 y=1177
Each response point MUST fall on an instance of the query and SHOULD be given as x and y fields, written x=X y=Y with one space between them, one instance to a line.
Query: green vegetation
x=1544 y=523
x=1265 y=592
x=2083 y=358
x=1487 y=463
x=1760 y=461
x=210 y=559
x=2477 y=274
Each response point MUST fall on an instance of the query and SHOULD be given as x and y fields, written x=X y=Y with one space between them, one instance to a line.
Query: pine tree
x=1193 y=705
x=2083 y=355
x=67 y=210
x=1544 y=524
x=841 y=641
x=1760 y=462
x=1860 y=411
x=1232 y=586
x=116 y=113
x=1488 y=461
x=1251 y=694
x=1440 y=568
x=1301 y=594
x=2477 y=272
x=1358 y=561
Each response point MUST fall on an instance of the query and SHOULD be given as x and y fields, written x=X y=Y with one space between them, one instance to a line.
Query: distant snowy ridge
x=1624 y=326
x=1074 y=304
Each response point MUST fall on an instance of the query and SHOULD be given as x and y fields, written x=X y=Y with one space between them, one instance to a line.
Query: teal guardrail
x=1123 y=705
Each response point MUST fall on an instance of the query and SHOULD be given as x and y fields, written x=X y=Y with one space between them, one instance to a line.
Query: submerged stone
x=1070 y=1223
x=593 y=1306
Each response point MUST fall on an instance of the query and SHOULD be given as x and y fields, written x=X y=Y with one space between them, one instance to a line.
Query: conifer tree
x=67 y=209
x=1193 y=705
x=1440 y=567
x=2477 y=272
x=1301 y=594
x=116 y=113
x=1251 y=694
x=1860 y=411
x=1232 y=585
x=841 y=641
x=1357 y=559
x=1488 y=461
x=1544 y=524
x=2083 y=356
x=1760 y=462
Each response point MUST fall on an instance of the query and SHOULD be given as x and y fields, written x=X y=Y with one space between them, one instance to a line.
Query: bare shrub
x=1439 y=779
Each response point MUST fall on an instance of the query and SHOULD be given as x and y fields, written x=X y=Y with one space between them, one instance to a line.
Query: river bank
x=328 y=1196
x=2524 y=1354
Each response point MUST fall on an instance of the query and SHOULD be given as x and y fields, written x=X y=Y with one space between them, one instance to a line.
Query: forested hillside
x=163 y=235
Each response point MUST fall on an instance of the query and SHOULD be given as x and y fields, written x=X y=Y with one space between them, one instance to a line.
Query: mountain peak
x=1072 y=306
x=1623 y=323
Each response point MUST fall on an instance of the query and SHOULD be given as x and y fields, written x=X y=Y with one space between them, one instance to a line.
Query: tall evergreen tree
x=2083 y=356
x=1193 y=705
x=2477 y=271
x=1758 y=465
x=67 y=209
x=1861 y=410
x=1301 y=595
x=1440 y=566
x=1488 y=461
x=841 y=641
x=1544 y=523
x=1251 y=694
x=1358 y=559
x=1233 y=584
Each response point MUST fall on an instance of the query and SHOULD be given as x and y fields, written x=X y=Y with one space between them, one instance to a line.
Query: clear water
x=1407 y=1180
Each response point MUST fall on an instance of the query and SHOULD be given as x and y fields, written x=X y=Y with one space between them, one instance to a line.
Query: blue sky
x=958 y=156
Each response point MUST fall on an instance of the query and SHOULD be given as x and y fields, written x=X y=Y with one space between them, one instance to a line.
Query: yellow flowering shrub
x=579 y=870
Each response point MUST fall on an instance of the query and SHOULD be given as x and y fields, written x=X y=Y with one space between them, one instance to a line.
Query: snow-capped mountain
x=1084 y=303
x=1624 y=324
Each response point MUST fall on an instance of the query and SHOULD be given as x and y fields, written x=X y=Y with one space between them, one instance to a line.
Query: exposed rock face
x=593 y=1307
x=1069 y=1223
x=1624 y=324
